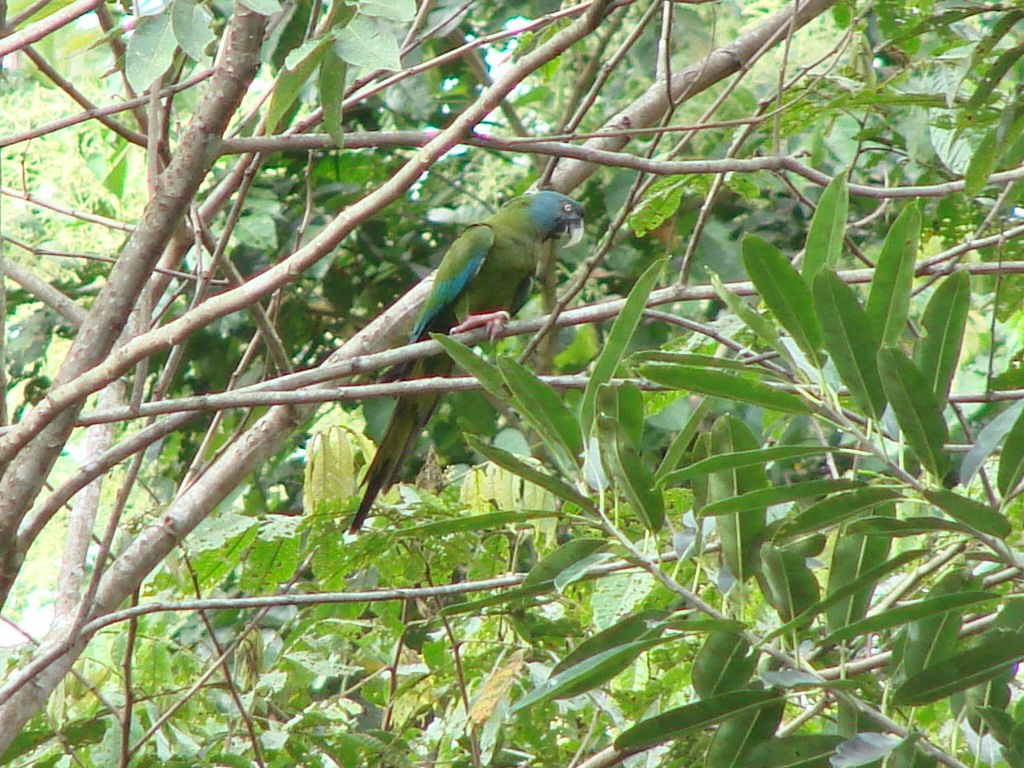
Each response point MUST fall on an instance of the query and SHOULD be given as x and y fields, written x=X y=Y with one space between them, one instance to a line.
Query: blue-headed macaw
x=483 y=279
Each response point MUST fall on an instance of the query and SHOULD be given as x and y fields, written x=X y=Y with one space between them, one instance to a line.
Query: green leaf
x=835 y=509
x=983 y=162
x=191 y=23
x=528 y=472
x=738 y=735
x=916 y=410
x=944 y=322
x=618 y=339
x=850 y=593
x=851 y=346
x=1011 y=461
x=542 y=406
x=989 y=658
x=677 y=722
x=332 y=88
x=897 y=617
x=631 y=476
x=908 y=526
x=724 y=663
x=787 y=582
x=725 y=385
x=799 y=751
x=299 y=67
x=755 y=322
x=827 y=230
x=599 y=658
x=586 y=675
x=488 y=375
x=784 y=292
x=368 y=42
x=996 y=71
x=150 y=50
x=564 y=557
x=988 y=439
x=889 y=298
x=396 y=10
x=629 y=411
x=638 y=626
x=659 y=203
x=765 y=497
x=683 y=441
x=747 y=459
x=852 y=558
x=265 y=7
x=980 y=517
x=740 y=532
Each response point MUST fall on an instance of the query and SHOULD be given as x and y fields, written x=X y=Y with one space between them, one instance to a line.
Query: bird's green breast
x=505 y=272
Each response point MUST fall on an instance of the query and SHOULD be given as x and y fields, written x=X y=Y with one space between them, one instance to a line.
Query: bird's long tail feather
x=410 y=415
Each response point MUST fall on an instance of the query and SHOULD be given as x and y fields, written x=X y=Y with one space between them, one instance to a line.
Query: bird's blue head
x=555 y=215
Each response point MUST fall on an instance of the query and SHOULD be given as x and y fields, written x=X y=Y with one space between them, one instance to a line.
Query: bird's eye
x=566 y=207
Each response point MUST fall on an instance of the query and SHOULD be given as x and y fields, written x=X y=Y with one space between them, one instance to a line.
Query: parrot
x=483 y=279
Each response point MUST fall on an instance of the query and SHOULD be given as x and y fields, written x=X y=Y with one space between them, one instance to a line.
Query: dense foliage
x=742 y=486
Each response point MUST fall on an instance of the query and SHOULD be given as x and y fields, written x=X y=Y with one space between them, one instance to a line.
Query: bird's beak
x=574 y=229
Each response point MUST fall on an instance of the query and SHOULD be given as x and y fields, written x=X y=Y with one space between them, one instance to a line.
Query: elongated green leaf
x=800 y=751
x=764 y=497
x=332 y=91
x=828 y=229
x=853 y=349
x=299 y=68
x=988 y=659
x=787 y=582
x=932 y=638
x=724 y=663
x=910 y=526
x=739 y=307
x=1011 y=461
x=630 y=411
x=980 y=517
x=944 y=322
x=889 y=298
x=517 y=466
x=618 y=339
x=784 y=292
x=631 y=476
x=488 y=376
x=852 y=557
x=866 y=582
x=564 y=557
x=725 y=385
x=637 y=626
x=986 y=441
x=491 y=521
x=587 y=674
x=679 y=721
x=916 y=410
x=682 y=442
x=996 y=71
x=896 y=617
x=984 y=160
x=738 y=735
x=740 y=532
x=835 y=509
x=543 y=408
x=746 y=459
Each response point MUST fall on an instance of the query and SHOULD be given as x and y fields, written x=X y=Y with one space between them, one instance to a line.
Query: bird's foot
x=494 y=322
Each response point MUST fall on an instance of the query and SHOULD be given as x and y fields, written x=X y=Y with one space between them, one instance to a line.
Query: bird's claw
x=494 y=322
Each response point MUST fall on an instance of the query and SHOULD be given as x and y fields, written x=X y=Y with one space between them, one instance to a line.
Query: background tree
x=742 y=487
